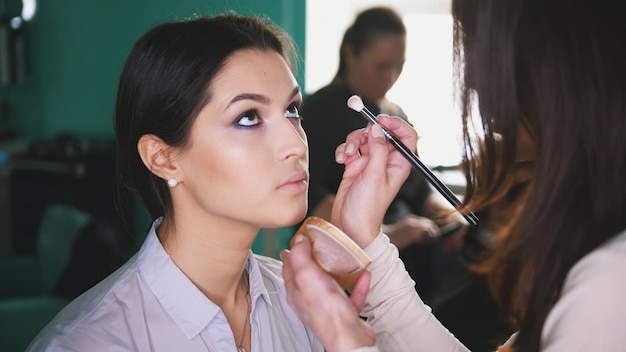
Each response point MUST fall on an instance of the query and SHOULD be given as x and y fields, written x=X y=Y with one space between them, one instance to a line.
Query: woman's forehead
x=253 y=68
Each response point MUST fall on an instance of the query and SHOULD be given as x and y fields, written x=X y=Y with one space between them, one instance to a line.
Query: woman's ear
x=158 y=157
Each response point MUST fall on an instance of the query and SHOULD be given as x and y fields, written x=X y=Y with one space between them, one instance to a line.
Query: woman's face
x=248 y=156
x=376 y=68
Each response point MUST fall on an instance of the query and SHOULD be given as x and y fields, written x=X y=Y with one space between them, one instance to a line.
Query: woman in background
x=371 y=58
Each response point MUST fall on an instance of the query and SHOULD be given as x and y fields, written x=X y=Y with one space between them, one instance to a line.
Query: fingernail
x=377 y=131
x=350 y=148
x=284 y=253
x=340 y=157
x=299 y=238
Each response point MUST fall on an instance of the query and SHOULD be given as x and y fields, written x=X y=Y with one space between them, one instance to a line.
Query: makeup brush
x=355 y=103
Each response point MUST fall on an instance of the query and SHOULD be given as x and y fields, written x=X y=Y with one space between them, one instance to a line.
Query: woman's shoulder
x=591 y=305
x=604 y=264
x=600 y=272
x=93 y=311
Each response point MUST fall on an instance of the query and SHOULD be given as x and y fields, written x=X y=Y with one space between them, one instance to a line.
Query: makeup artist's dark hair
x=555 y=67
x=166 y=81
x=367 y=25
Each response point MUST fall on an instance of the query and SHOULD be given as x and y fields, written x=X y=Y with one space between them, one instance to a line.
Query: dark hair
x=555 y=67
x=166 y=81
x=368 y=24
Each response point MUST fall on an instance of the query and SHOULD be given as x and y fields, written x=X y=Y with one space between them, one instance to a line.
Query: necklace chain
x=240 y=347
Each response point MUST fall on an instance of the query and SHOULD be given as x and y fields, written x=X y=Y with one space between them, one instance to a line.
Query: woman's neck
x=212 y=255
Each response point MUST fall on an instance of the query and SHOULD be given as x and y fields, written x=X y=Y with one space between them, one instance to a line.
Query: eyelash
x=246 y=116
x=292 y=111
x=296 y=114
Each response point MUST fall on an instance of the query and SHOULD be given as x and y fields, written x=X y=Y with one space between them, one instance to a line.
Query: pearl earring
x=172 y=182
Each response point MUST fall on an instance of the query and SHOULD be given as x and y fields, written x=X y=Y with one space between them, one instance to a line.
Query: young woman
x=209 y=136
x=554 y=71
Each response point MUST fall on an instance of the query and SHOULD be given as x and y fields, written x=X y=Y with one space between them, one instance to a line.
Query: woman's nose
x=292 y=140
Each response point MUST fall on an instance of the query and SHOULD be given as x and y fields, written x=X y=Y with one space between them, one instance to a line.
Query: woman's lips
x=296 y=183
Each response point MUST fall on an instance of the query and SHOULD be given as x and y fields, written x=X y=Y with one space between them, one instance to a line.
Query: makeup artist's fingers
x=401 y=129
x=351 y=149
x=398 y=168
x=320 y=303
x=386 y=167
x=302 y=276
x=359 y=292
x=304 y=262
x=357 y=141
x=371 y=177
x=346 y=153
x=303 y=266
x=367 y=188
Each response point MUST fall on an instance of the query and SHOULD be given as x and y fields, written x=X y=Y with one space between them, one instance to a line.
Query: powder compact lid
x=334 y=251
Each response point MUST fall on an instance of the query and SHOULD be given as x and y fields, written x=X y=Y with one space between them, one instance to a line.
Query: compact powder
x=330 y=254
x=334 y=251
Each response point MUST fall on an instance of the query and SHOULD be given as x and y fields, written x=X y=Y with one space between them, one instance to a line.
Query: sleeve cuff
x=378 y=246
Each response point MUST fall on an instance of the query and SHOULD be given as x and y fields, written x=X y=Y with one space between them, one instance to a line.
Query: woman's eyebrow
x=295 y=92
x=263 y=99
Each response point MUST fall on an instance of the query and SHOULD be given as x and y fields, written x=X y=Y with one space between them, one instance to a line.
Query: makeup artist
x=196 y=116
x=555 y=69
x=371 y=58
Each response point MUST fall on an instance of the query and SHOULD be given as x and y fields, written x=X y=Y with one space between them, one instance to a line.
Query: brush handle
x=430 y=177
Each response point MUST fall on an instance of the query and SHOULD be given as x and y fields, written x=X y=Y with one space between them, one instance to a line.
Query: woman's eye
x=292 y=111
x=249 y=118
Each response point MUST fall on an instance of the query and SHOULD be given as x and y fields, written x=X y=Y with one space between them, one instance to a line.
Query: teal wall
x=76 y=50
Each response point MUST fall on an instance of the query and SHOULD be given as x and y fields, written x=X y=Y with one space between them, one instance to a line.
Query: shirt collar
x=180 y=298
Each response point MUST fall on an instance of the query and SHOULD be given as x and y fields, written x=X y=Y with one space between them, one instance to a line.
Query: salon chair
x=27 y=301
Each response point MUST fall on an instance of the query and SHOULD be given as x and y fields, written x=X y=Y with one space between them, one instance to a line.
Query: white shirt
x=590 y=314
x=150 y=305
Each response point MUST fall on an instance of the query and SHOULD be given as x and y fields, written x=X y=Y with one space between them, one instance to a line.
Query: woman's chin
x=288 y=218
x=297 y=217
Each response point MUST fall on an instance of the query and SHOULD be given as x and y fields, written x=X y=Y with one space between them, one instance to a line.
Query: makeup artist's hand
x=412 y=229
x=374 y=172
x=320 y=303
x=454 y=241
